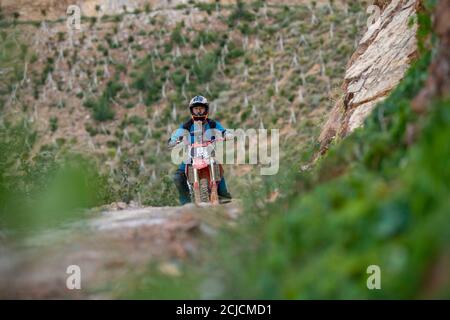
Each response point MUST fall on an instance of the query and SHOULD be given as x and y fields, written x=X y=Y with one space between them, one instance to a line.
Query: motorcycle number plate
x=201 y=152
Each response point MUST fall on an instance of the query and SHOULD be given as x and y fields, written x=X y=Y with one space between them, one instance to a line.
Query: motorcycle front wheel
x=204 y=190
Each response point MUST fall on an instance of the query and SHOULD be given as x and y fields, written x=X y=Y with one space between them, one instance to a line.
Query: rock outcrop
x=379 y=63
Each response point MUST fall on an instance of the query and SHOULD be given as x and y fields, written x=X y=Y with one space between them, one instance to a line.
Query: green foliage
x=53 y=124
x=362 y=218
x=208 y=7
x=234 y=52
x=240 y=13
x=204 y=70
x=205 y=37
x=91 y=129
x=167 y=47
x=257 y=4
x=111 y=43
x=102 y=108
x=136 y=120
x=47 y=188
x=13 y=56
x=148 y=81
x=178 y=78
x=176 y=35
x=245 y=29
x=61 y=36
x=424 y=21
x=160 y=193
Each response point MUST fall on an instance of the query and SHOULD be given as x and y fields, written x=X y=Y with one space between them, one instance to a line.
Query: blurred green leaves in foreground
x=47 y=188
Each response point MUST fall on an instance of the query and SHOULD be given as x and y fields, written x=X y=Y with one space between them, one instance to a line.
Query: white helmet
x=202 y=102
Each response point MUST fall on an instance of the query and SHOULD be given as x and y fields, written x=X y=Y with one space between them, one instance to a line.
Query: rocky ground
x=110 y=245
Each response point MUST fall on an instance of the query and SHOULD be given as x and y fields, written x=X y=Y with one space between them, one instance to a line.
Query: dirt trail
x=107 y=247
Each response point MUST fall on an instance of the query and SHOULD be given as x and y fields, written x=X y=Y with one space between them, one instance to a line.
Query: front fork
x=196 y=187
x=214 y=195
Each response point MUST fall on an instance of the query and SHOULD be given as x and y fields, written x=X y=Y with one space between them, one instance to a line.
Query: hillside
x=119 y=87
x=363 y=115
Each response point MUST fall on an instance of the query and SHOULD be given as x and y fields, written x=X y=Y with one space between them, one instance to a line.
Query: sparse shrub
x=92 y=130
x=61 y=36
x=149 y=83
x=168 y=47
x=176 y=35
x=241 y=13
x=101 y=108
x=53 y=124
x=178 y=78
x=234 y=52
x=136 y=121
x=205 y=69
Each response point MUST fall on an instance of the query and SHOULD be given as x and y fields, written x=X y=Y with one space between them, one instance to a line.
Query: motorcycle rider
x=199 y=109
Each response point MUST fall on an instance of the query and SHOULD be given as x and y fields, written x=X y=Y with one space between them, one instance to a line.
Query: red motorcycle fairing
x=200 y=163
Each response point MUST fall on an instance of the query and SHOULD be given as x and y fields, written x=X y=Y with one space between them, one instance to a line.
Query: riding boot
x=224 y=195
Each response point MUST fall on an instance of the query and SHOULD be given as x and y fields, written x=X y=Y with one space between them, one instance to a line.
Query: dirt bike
x=203 y=172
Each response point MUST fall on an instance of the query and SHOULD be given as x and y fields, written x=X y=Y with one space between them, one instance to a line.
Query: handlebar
x=204 y=144
x=207 y=143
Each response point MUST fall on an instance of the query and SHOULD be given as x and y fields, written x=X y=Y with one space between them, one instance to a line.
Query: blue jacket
x=189 y=125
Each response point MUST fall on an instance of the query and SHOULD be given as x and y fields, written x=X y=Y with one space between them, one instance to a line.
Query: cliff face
x=377 y=66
